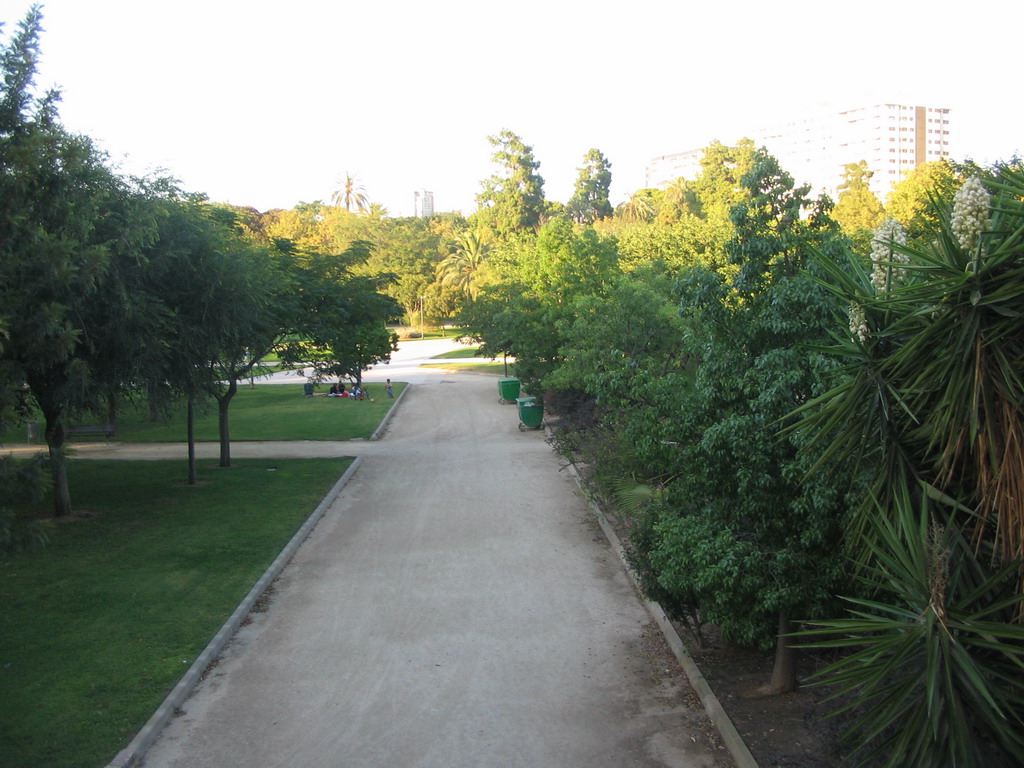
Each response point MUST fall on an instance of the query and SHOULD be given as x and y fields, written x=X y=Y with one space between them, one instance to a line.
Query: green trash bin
x=531 y=413
x=508 y=390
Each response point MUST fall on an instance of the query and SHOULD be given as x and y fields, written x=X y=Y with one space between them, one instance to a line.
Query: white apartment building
x=665 y=169
x=891 y=138
x=423 y=203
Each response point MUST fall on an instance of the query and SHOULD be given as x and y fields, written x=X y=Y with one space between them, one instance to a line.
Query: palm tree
x=680 y=194
x=637 y=208
x=461 y=267
x=350 y=193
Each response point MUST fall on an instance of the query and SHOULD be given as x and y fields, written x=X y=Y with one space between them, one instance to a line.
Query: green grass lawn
x=263 y=412
x=462 y=352
x=272 y=412
x=98 y=626
x=497 y=367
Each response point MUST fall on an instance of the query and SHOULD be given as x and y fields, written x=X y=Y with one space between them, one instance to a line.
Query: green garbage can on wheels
x=531 y=413
x=508 y=390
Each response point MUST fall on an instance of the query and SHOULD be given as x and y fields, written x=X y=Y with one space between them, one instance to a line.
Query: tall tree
x=589 y=201
x=350 y=194
x=680 y=194
x=512 y=200
x=527 y=314
x=341 y=330
x=743 y=527
x=250 y=308
x=858 y=209
x=177 y=287
x=720 y=184
x=462 y=266
x=910 y=201
x=641 y=206
x=679 y=200
x=66 y=228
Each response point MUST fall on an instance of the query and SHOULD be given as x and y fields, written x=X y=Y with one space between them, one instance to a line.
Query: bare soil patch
x=784 y=730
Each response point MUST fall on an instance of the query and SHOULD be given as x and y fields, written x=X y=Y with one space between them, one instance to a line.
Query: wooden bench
x=90 y=430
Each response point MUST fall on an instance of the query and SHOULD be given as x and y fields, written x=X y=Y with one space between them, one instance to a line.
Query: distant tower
x=424 y=205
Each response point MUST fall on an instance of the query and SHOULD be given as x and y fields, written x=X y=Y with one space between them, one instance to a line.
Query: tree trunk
x=191 y=431
x=223 y=401
x=151 y=399
x=111 y=409
x=58 y=463
x=784 y=672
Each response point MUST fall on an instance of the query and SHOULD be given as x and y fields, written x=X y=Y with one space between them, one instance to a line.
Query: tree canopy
x=512 y=200
x=909 y=201
x=111 y=287
x=589 y=200
x=69 y=237
x=857 y=209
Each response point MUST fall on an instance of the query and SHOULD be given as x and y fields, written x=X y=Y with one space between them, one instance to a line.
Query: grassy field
x=272 y=412
x=462 y=352
x=99 y=625
x=263 y=412
x=497 y=367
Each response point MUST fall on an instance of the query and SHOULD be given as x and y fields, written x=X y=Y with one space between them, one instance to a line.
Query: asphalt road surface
x=457 y=606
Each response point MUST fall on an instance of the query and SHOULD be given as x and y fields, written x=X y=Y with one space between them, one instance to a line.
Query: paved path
x=457 y=606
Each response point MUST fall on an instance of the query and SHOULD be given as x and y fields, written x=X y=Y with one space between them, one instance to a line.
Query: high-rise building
x=665 y=169
x=891 y=138
x=424 y=203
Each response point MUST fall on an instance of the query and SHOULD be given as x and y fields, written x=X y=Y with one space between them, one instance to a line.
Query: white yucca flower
x=882 y=252
x=970 y=213
x=858 y=322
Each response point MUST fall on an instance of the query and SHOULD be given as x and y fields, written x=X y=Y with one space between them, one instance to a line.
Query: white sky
x=268 y=103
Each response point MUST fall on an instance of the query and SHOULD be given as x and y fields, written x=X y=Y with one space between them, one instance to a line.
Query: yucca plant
x=936 y=673
x=934 y=357
x=932 y=406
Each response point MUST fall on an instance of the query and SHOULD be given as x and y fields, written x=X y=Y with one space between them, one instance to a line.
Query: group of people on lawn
x=338 y=390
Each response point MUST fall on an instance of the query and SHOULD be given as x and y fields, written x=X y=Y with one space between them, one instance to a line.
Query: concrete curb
x=712 y=706
x=130 y=755
x=382 y=427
